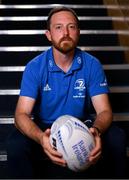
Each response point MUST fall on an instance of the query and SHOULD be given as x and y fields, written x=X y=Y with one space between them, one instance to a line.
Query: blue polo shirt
x=58 y=93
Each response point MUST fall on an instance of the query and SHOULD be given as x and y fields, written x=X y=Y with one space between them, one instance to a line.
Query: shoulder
x=37 y=66
x=87 y=57
x=38 y=63
x=89 y=61
x=38 y=60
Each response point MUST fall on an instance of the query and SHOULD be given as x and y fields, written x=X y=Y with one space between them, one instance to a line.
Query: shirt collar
x=77 y=62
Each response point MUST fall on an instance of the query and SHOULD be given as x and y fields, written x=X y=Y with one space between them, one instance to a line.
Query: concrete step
x=41 y=40
x=41 y=10
x=19 y=56
x=10 y=76
x=52 y=2
x=6 y=25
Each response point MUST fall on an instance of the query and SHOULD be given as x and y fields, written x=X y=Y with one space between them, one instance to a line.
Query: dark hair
x=59 y=9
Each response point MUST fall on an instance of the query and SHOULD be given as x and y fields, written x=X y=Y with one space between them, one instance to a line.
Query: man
x=55 y=83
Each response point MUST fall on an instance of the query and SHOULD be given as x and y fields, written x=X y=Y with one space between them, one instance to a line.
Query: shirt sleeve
x=30 y=81
x=98 y=81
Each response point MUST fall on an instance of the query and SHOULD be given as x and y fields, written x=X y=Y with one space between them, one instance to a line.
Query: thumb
x=47 y=132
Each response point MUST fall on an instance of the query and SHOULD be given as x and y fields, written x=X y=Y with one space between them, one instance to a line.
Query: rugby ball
x=73 y=140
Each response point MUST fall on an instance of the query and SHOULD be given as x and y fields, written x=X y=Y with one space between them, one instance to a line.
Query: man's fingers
x=95 y=157
x=56 y=158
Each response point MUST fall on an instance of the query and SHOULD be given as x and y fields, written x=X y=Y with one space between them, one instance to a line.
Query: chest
x=59 y=85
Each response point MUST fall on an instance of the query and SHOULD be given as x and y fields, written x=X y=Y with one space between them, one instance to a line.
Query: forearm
x=28 y=127
x=103 y=120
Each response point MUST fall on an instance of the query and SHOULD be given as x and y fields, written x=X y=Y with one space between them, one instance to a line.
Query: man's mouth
x=65 y=39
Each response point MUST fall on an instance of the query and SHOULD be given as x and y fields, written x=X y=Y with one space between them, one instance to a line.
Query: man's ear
x=48 y=35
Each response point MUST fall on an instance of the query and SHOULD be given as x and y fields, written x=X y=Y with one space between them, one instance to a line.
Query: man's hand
x=55 y=156
x=96 y=152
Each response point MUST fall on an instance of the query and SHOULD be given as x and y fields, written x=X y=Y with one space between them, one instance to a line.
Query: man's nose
x=66 y=31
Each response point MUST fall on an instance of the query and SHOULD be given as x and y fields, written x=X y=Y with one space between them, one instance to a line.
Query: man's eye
x=58 y=27
x=73 y=26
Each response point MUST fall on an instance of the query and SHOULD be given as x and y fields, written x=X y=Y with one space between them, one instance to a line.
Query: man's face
x=64 y=32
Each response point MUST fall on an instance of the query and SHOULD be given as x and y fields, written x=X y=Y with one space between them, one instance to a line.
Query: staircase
x=104 y=32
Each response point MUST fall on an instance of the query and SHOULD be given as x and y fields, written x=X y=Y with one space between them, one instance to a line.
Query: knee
x=115 y=139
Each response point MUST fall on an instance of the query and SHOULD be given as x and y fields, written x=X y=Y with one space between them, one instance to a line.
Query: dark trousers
x=26 y=159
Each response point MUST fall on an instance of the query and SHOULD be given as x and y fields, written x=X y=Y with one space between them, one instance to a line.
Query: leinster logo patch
x=79 y=88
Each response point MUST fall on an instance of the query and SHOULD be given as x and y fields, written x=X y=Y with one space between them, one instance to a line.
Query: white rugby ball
x=73 y=140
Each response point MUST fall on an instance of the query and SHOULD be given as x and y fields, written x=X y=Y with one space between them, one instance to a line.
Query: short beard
x=65 y=47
